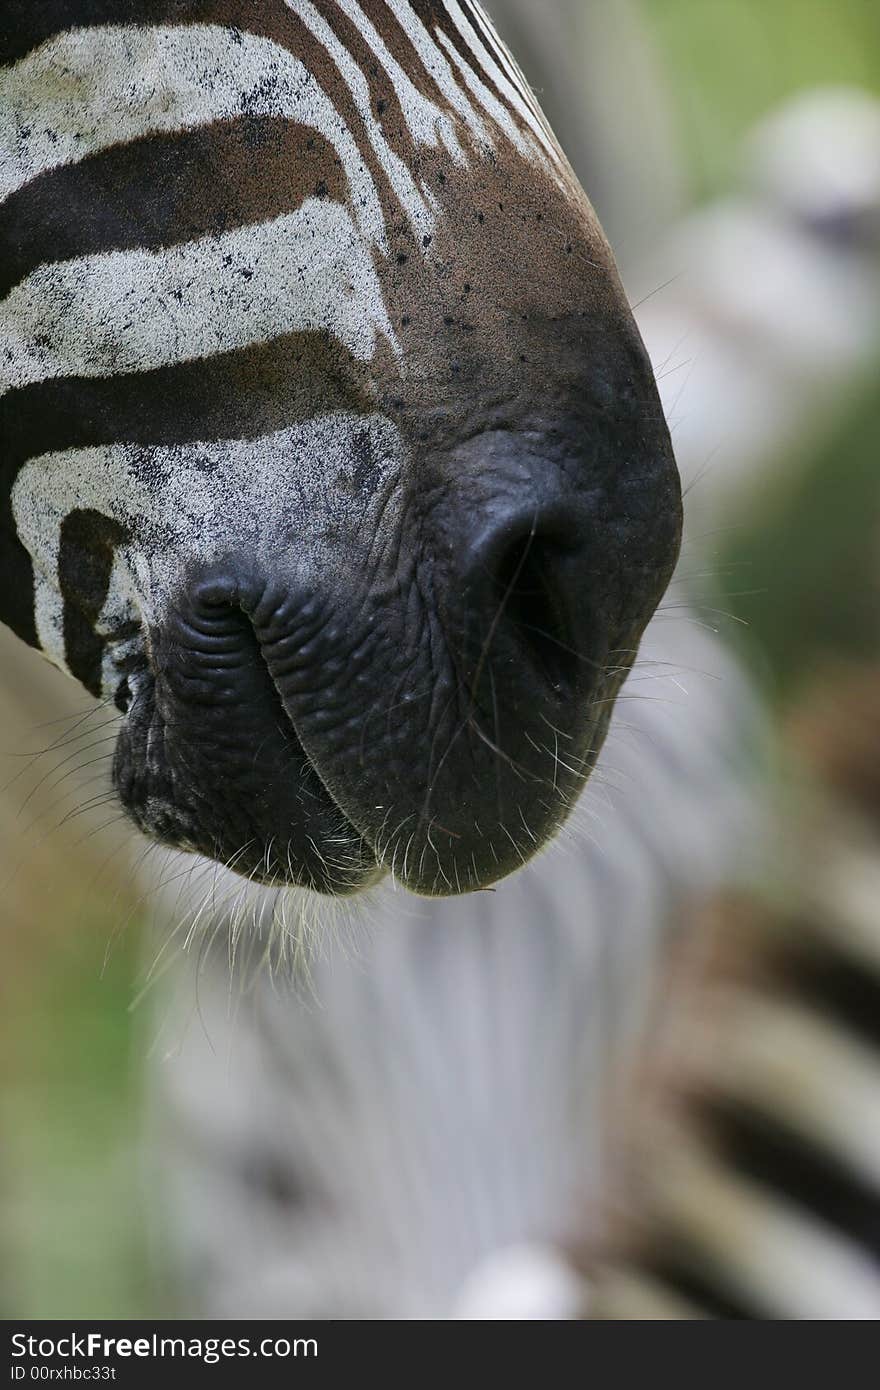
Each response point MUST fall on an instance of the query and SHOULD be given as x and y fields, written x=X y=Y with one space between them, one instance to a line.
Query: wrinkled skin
x=383 y=623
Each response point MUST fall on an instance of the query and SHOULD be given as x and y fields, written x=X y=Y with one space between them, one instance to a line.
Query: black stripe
x=241 y=394
x=833 y=982
x=816 y=1180
x=85 y=560
x=692 y=1278
x=24 y=24
x=436 y=16
x=166 y=189
x=483 y=29
x=16 y=579
x=384 y=103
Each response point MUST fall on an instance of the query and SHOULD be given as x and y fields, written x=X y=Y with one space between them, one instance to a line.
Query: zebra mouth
x=265 y=734
x=208 y=761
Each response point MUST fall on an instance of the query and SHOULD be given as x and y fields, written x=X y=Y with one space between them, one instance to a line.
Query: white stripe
x=491 y=68
x=627 y=1295
x=426 y=122
x=509 y=65
x=130 y=311
x=844 y=903
x=416 y=199
x=487 y=99
x=764 y=1248
x=436 y=65
x=120 y=611
x=200 y=500
x=83 y=91
x=46 y=490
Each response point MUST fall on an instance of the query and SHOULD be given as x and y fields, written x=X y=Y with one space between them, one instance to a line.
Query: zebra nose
x=524 y=584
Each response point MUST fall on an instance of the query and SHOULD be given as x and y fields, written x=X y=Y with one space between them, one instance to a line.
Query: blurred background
x=732 y=150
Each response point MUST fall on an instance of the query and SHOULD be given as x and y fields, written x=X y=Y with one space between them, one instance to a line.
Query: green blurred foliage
x=73 y=1229
x=731 y=61
x=802 y=574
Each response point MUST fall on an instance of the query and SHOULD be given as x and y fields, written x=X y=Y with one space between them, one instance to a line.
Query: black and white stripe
x=190 y=193
x=760 y=1192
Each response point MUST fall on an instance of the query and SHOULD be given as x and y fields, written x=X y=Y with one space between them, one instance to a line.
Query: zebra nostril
x=524 y=583
x=534 y=606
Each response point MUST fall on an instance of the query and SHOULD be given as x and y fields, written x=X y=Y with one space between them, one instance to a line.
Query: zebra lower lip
x=367 y=860
x=208 y=761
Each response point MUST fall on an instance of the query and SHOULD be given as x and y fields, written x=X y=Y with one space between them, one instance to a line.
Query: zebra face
x=333 y=456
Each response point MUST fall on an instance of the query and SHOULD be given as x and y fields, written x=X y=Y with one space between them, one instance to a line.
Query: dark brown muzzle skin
x=391 y=638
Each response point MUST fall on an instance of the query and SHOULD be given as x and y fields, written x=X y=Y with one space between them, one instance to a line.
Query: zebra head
x=331 y=453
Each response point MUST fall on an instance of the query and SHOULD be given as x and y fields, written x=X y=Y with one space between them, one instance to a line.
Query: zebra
x=331 y=445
